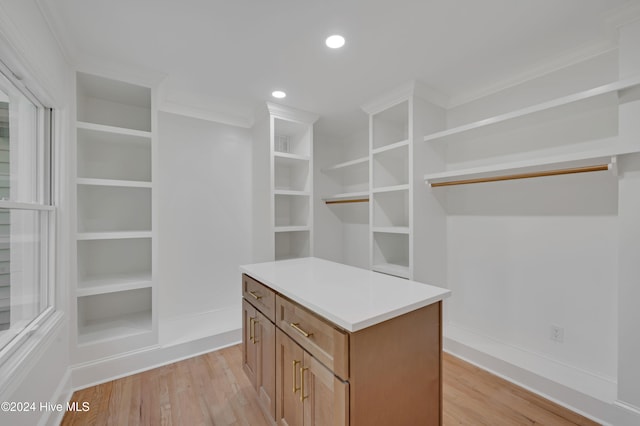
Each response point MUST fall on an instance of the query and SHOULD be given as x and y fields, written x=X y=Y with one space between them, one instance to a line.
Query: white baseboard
x=100 y=371
x=61 y=395
x=186 y=328
x=504 y=361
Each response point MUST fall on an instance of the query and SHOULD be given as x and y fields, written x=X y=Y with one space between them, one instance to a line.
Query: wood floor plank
x=212 y=389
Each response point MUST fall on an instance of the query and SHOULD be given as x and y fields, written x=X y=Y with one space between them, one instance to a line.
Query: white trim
x=533 y=72
x=623 y=15
x=59 y=30
x=628 y=407
x=403 y=93
x=14 y=370
x=122 y=365
x=171 y=107
x=291 y=114
x=61 y=395
x=479 y=350
x=25 y=206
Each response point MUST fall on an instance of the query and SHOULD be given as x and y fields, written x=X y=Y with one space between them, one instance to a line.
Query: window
x=26 y=213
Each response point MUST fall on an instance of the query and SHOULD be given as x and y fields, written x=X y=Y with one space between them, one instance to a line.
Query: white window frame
x=45 y=195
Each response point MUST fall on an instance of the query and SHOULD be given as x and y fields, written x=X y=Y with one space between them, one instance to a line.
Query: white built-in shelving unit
x=114 y=293
x=398 y=207
x=542 y=144
x=353 y=179
x=283 y=157
x=390 y=213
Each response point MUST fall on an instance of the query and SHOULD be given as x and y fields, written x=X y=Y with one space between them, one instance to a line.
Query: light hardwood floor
x=212 y=389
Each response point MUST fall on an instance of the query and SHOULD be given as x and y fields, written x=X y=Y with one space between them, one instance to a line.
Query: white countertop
x=352 y=298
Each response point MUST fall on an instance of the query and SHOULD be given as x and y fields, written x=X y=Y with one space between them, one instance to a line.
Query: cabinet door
x=289 y=359
x=265 y=336
x=326 y=398
x=249 y=347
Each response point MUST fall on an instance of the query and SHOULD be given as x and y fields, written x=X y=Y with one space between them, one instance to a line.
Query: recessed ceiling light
x=335 y=41
x=278 y=94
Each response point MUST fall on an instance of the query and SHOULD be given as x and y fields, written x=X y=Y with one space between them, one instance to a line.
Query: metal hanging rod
x=358 y=200
x=585 y=169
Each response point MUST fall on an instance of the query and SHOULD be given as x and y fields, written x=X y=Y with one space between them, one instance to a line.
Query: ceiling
x=230 y=54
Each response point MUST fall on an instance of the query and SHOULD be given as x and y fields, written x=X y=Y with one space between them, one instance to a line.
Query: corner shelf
x=347 y=197
x=390 y=147
x=391 y=229
x=392 y=269
x=506 y=170
x=113 y=182
x=128 y=325
x=347 y=164
x=404 y=187
x=113 y=235
x=587 y=95
x=291 y=228
x=113 y=283
x=291 y=192
x=113 y=129
x=286 y=156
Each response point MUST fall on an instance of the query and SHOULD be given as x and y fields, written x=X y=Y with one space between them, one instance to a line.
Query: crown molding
x=41 y=70
x=538 y=70
x=116 y=71
x=403 y=93
x=623 y=15
x=58 y=30
x=203 y=107
x=293 y=114
x=206 y=114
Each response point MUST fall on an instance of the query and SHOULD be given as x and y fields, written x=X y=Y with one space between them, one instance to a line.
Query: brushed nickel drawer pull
x=296 y=327
x=255 y=296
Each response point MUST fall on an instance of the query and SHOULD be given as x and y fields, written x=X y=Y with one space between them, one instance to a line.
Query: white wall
x=29 y=48
x=204 y=181
x=527 y=255
x=341 y=230
x=629 y=290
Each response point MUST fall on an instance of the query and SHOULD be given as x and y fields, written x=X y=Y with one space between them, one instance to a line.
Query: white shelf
x=113 y=235
x=290 y=192
x=117 y=328
x=528 y=166
x=113 y=129
x=347 y=196
x=286 y=156
x=545 y=106
x=347 y=164
x=113 y=182
x=390 y=147
x=392 y=269
x=391 y=229
x=404 y=187
x=290 y=228
x=113 y=283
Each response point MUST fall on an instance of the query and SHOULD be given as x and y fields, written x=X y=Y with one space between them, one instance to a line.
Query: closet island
x=327 y=343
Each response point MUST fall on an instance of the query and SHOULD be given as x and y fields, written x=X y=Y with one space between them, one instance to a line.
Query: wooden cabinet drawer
x=261 y=297
x=320 y=338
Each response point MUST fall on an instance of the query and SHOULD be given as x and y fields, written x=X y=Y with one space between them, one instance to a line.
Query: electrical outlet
x=556 y=333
